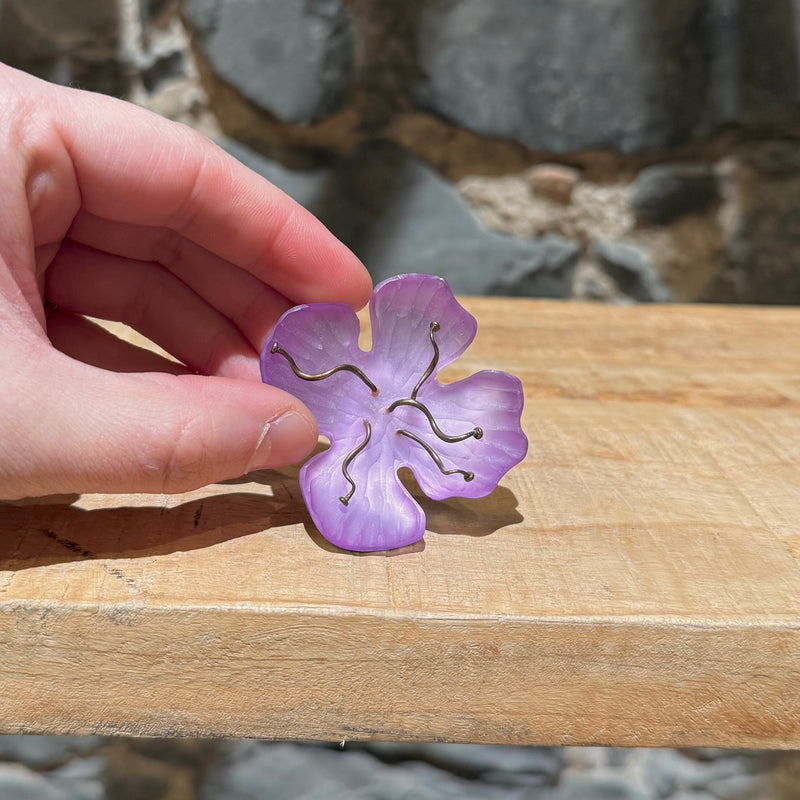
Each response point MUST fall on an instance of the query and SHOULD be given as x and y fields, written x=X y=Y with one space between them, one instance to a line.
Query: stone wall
x=627 y=150
x=101 y=768
x=632 y=149
x=72 y=42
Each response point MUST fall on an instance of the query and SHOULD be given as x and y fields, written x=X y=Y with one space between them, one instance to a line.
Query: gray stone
x=632 y=271
x=285 y=771
x=661 y=767
x=81 y=779
x=698 y=770
x=398 y=215
x=744 y=787
x=45 y=752
x=548 y=271
x=556 y=75
x=618 y=756
x=306 y=186
x=508 y=765
x=20 y=783
x=750 y=760
x=293 y=60
x=626 y=75
x=666 y=192
x=597 y=787
x=289 y=770
x=692 y=795
x=768 y=71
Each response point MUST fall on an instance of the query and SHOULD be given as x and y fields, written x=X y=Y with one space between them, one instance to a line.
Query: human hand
x=110 y=211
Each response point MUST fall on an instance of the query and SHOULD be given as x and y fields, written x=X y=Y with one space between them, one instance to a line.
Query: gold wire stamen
x=468 y=476
x=434 y=361
x=476 y=432
x=412 y=401
x=306 y=376
x=349 y=460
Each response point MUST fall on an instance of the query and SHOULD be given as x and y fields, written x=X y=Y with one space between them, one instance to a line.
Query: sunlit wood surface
x=636 y=581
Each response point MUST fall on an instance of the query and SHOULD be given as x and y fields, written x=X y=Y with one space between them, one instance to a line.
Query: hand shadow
x=54 y=530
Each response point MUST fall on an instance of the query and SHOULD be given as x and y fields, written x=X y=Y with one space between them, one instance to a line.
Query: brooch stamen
x=434 y=327
x=475 y=432
x=468 y=476
x=319 y=376
x=412 y=401
x=349 y=460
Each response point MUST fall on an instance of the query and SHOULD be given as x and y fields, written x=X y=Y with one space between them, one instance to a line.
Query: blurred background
x=622 y=150
x=606 y=150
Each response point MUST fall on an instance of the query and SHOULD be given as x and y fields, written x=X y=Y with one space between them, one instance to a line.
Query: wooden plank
x=636 y=581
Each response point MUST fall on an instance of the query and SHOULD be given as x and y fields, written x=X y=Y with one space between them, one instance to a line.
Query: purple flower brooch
x=384 y=409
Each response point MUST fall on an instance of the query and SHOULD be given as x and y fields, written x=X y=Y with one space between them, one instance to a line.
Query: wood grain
x=636 y=581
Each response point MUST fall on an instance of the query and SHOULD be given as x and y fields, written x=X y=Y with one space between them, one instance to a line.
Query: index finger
x=135 y=167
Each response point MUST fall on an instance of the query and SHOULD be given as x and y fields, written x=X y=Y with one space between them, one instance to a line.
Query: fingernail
x=284 y=440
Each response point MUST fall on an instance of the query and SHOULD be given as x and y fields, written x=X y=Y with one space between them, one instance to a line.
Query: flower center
x=411 y=401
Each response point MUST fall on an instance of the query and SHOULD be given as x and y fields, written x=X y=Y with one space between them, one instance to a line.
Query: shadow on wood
x=58 y=530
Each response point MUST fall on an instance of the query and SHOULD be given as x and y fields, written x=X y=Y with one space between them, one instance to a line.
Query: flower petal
x=319 y=337
x=402 y=309
x=489 y=400
x=380 y=514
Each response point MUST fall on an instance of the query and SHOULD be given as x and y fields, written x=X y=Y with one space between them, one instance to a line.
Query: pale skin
x=112 y=212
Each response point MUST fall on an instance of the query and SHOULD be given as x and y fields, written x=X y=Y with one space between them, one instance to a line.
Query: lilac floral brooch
x=384 y=409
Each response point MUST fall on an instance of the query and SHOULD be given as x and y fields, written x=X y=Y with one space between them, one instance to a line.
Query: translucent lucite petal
x=319 y=337
x=491 y=401
x=402 y=310
x=380 y=514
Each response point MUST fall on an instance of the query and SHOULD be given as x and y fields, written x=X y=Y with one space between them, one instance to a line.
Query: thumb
x=82 y=429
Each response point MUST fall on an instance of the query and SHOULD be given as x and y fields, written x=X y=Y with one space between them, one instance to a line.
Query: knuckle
x=183 y=458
